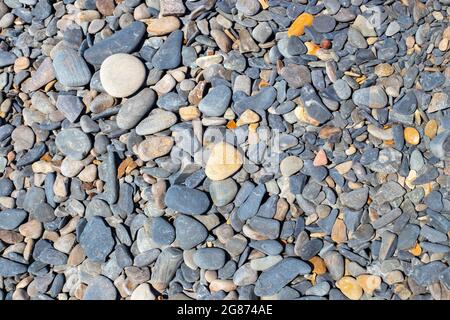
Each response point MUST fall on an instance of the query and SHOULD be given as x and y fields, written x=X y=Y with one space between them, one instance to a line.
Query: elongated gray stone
x=250 y=207
x=70 y=68
x=168 y=55
x=134 y=109
x=260 y=101
x=12 y=218
x=275 y=278
x=123 y=41
x=156 y=122
x=165 y=267
x=9 y=268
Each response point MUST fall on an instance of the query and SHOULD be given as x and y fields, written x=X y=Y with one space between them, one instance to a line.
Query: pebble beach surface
x=224 y=149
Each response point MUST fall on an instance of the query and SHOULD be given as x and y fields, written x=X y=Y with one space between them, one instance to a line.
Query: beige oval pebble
x=122 y=74
x=369 y=282
x=224 y=161
x=162 y=26
x=154 y=147
x=350 y=288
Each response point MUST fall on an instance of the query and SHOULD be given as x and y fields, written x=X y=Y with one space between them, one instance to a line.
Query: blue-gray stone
x=275 y=278
x=258 y=102
x=7 y=58
x=215 y=103
x=12 y=218
x=70 y=68
x=73 y=143
x=9 y=268
x=314 y=106
x=269 y=247
x=209 y=258
x=407 y=104
x=186 y=200
x=189 y=232
x=100 y=288
x=171 y=101
x=355 y=199
x=123 y=41
x=168 y=55
x=431 y=80
x=52 y=256
x=161 y=231
x=96 y=239
x=429 y=273
x=251 y=206
x=6 y=187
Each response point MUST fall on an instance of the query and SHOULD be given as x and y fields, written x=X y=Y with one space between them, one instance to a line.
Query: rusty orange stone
x=416 y=251
x=412 y=136
x=231 y=124
x=312 y=48
x=319 y=266
x=298 y=26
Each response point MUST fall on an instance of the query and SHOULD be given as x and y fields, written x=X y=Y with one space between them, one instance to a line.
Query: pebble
x=275 y=278
x=70 y=106
x=70 y=68
x=350 y=287
x=223 y=191
x=100 y=288
x=355 y=199
x=122 y=74
x=186 y=200
x=224 y=150
x=189 y=232
x=154 y=147
x=216 y=101
x=135 y=108
x=10 y=219
x=73 y=143
x=157 y=121
x=125 y=40
x=373 y=97
x=224 y=160
x=96 y=239
x=168 y=55
x=209 y=258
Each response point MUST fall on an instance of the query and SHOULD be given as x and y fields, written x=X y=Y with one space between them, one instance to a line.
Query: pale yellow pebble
x=247 y=117
x=431 y=129
x=384 y=70
x=412 y=175
x=369 y=282
x=350 y=288
x=371 y=40
x=224 y=161
x=344 y=167
x=189 y=113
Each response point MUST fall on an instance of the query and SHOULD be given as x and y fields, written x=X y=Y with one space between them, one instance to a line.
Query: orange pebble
x=298 y=26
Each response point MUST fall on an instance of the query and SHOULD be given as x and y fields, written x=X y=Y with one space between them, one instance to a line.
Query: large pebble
x=73 y=143
x=122 y=75
x=187 y=200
